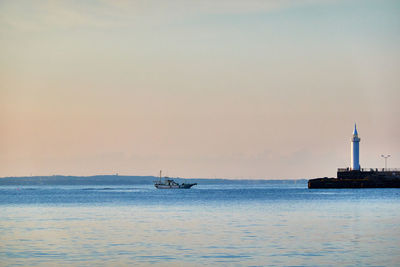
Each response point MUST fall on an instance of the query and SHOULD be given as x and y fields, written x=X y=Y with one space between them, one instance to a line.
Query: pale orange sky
x=237 y=89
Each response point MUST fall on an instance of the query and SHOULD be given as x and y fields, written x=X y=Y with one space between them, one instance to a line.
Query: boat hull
x=181 y=186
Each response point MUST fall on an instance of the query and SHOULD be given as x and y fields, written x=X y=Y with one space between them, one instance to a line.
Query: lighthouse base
x=371 y=178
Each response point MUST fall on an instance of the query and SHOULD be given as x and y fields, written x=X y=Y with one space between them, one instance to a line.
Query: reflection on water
x=210 y=225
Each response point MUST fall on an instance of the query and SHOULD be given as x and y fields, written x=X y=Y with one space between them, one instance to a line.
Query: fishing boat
x=169 y=183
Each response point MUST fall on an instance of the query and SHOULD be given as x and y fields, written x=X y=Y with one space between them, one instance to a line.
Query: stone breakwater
x=359 y=179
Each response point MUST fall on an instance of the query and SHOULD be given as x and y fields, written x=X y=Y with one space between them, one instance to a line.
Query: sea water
x=238 y=224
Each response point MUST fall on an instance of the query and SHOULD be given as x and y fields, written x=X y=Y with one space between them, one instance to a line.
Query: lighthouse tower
x=355 y=150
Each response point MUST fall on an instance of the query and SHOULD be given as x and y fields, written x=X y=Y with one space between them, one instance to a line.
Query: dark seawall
x=359 y=179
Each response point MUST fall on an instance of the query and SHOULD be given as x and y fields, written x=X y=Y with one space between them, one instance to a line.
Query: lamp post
x=385 y=157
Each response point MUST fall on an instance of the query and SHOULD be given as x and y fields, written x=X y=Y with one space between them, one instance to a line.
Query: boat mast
x=160 y=176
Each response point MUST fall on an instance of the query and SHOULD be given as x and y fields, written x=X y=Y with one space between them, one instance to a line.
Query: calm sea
x=237 y=224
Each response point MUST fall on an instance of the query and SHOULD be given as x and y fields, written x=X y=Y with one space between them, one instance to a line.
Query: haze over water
x=199 y=88
x=244 y=224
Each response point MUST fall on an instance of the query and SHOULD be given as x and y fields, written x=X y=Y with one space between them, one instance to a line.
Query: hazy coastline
x=127 y=180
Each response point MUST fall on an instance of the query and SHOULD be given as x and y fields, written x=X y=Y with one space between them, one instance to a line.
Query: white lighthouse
x=355 y=150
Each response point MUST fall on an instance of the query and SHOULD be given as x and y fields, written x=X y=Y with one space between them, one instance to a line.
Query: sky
x=200 y=89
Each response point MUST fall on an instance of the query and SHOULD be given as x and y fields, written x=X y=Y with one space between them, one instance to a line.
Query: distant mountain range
x=123 y=180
